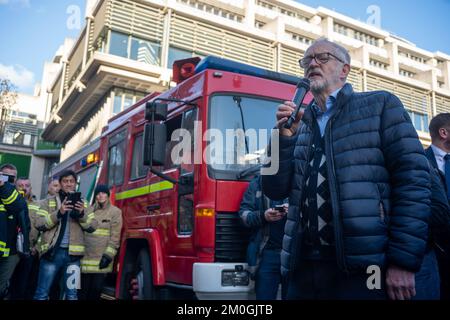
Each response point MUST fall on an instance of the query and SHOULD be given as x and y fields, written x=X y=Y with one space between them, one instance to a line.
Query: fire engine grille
x=231 y=238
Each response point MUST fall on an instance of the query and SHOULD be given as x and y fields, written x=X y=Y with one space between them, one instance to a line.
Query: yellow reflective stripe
x=49 y=221
x=11 y=198
x=85 y=205
x=90 y=262
x=96 y=269
x=155 y=187
x=33 y=207
x=111 y=251
x=74 y=248
x=52 y=203
x=2 y=244
x=102 y=232
x=42 y=212
x=5 y=252
x=2 y=207
x=44 y=246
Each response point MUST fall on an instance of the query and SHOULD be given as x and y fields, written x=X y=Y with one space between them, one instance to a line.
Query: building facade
x=127 y=48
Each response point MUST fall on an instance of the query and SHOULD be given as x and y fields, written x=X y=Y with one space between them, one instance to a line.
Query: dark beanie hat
x=101 y=188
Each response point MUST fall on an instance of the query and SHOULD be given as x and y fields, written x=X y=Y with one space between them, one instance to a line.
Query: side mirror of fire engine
x=156 y=110
x=154 y=144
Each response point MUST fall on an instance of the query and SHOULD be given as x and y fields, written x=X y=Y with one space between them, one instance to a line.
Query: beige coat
x=47 y=221
x=104 y=241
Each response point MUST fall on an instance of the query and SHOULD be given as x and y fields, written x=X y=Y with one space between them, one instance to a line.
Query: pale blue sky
x=32 y=30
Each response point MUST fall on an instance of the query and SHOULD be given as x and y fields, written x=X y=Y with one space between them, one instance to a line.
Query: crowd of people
x=355 y=192
x=59 y=247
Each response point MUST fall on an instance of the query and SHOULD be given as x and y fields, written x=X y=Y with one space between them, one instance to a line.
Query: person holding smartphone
x=12 y=218
x=266 y=218
x=62 y=220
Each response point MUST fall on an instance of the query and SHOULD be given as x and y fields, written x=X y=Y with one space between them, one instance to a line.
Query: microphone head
x=304 y=83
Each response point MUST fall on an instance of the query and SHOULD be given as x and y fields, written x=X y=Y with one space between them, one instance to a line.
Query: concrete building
x=127 y=48
x=21 y=143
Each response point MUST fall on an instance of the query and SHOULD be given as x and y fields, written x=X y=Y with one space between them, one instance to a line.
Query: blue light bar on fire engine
x=216 y=63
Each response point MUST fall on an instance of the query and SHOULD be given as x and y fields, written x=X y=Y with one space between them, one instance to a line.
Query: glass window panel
x=119 y=44
x=177 y=54
x=117 y=107
x=138 y=169
x=418 y=121
x=145 y=51
x=128 y=101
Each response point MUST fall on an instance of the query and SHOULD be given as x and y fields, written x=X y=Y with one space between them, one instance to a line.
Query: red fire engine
x=179 y=204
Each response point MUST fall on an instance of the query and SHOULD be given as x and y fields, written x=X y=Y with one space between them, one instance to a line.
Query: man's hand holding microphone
x=290 y=113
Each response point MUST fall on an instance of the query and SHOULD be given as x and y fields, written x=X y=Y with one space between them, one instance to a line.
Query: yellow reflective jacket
x=33 y=208
x=49 y=224
x=104 y=241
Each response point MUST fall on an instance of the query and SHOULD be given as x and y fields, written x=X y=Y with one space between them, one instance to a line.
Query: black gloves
x=104 y=262
x=75 y=214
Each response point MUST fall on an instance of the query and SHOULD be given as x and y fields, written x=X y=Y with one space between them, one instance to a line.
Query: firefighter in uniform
x=12 y=218
x=101 y=245
x=62 y=241
x=24 y=279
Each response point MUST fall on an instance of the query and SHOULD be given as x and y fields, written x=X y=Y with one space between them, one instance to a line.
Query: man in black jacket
x=13 y=217
x=359 y=188
x=439 y=156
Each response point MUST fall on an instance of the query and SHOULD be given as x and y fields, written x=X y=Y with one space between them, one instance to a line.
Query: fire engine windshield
x=239 y=132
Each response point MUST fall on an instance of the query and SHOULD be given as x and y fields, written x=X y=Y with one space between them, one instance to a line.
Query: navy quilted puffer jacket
x=379 y=183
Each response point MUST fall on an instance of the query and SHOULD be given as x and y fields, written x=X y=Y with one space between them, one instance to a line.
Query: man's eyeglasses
x=321 y=58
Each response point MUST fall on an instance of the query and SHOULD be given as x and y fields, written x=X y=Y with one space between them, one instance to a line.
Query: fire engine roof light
x=216 y=63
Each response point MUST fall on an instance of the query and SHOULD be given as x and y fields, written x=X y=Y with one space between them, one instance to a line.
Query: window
x=124 y=99
x=214 y=10
x=128 y=100
x=117 y=107
x=233 y=154
x=406 y=73
x=420 y=121
x=134 y=48
x=119 y=44
x=187 y=122
x=116 y=159
x=86 y=180
x=145 y=51
x=172 y=125
x=378 y=64
x=177 y=54
x=185 y=214
x=138 y=170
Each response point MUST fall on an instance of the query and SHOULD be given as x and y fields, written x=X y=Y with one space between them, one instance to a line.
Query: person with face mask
x=101 y=245
x=13 y=217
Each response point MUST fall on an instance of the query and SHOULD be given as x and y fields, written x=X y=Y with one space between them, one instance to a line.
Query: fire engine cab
x=177 y=168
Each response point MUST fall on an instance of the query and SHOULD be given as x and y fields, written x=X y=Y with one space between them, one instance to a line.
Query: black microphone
x=300 y=93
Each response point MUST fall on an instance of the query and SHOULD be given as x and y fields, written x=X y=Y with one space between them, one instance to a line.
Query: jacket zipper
x=299 y=225
x=334 y=198
x=381 y=211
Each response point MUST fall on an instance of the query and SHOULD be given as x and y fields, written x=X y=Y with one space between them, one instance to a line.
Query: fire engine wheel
x=142 y=287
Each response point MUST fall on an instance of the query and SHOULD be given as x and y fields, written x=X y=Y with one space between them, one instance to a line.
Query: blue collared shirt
x=439 y=154
x=323 y=117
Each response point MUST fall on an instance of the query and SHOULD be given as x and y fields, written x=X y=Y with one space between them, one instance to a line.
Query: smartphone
x=74 y=197
x=6 y=178
x=280 y=208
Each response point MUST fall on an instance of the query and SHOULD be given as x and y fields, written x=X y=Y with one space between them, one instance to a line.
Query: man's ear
x=345 y=70
x=443 y=133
